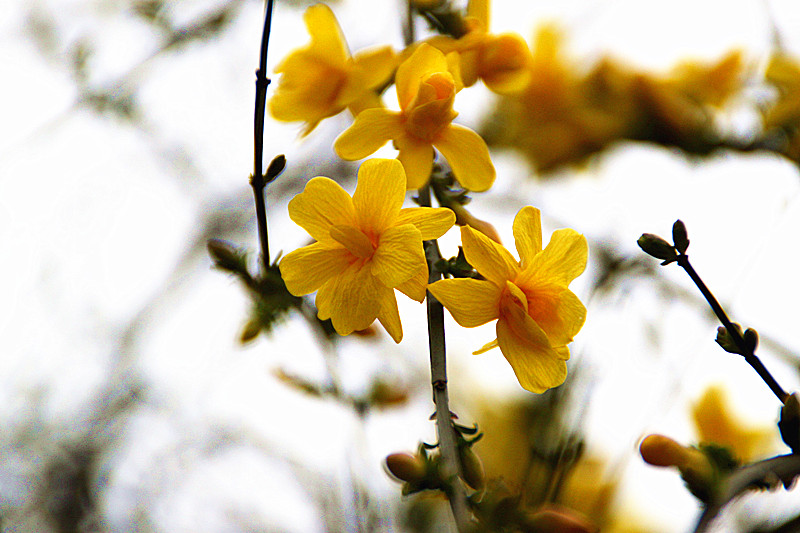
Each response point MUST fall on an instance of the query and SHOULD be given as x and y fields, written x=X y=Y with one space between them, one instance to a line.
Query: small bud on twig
x=680 y=237
x=789 y=423
x=657 y=247
x=275 y=168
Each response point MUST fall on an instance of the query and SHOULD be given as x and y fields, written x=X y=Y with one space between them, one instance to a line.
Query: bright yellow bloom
x=715 y=423
x=425 y=90
x=501 y=61
x=367 y=246
x=537 y=315
x=322 y=79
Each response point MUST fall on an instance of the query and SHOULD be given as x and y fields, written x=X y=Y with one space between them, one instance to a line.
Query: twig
x=257 y=179
x=745 y=349
x=448 y=447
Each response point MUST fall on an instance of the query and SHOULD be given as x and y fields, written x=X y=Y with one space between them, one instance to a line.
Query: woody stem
x=448 y=448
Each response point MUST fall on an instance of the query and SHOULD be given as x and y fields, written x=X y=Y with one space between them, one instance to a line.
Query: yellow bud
x=558 y=519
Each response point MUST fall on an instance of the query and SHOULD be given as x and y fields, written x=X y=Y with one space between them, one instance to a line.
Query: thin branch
x=747 y=351
x=257 y=179
x=448 y=447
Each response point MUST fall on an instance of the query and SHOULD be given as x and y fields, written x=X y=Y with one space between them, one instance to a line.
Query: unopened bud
x=725 y=339
x=558 y=519
x=657 y=247
x=472 y=468
x=680 y=237
x=695 y=467
x=465 y=218
x=751 y=340
x=790 y=422
x=406 y=467
x=250 y=330
x=275 y=168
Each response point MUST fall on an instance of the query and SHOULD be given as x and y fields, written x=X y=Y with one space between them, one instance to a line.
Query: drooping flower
x=322 y=79
x=367 y=246
x=537 y=315
x=426 y=88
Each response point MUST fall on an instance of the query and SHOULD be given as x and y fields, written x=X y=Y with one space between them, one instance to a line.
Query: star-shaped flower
x=322 y=79
x=367 y=246
x=537 y=315
x=426 y=88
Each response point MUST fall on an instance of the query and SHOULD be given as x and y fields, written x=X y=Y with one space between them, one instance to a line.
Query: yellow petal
x=375 y=66
x=307 y=269
x=399 y=255
x=431 y=222
x=563 y=260
x=372 y=129
x=535 y=363
x=416 y=287
x=327 y=40
x=479 y=10
x=528 y=234
x=417 y=159
x=389 y=315
x=468 y=156
x=350 y=300
x=472 y=302
x=379 y=195
x=486 y=347
x=425 y=60
x=322 y=205
x=353 y=240
x=490 y=259
x=557 y=311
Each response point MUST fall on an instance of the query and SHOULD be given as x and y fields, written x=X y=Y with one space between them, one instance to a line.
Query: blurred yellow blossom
x=715 y=424
x=537 y=315
x=367 y=246
x=501 y=61
x=426 y=89
x=322 y=79
x=783 y=115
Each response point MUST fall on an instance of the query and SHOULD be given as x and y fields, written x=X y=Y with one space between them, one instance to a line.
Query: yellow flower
x=322 y=79
x=501 y=61
x=715 y=423
x=425 y=90
x=367 y=246
x=537 y=315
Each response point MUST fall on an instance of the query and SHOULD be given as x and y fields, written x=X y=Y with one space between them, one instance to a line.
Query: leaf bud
x=472 y=468
x=751 y=340
x=657 y=247
x=789 y=423
x=226 y=256
x=250 y=330
x=275 y=168
x=680 y=237
x=406 y=467
x=725 y=339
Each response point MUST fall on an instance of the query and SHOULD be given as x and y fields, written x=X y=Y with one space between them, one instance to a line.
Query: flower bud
x=275 y=168
x=558 y=519
x=725 y=339
x=472 y=468
x=680 y=237
x=406 y=467
x=789 y=423
x=750 y=340
x=694 y=465
x=657 y=247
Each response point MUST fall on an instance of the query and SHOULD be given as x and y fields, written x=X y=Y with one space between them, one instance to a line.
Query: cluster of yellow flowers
x=368 y=245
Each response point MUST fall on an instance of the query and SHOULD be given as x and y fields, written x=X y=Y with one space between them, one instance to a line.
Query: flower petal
x=563 y=260
x=379 y=195
x=417 y=159
x=389 y=315
x=468 y=156
x=374 y=66
x=557 y=311
x=327 y=40
x=490 y=259
x=425 y=60
x=322 y=205
x=372 y=129
x=431 y=222
x=399 y=255
x=309 y=268
x=538 y=367
x=472 y=302
x=351 y=300
x=416 y=287
x=528 y=234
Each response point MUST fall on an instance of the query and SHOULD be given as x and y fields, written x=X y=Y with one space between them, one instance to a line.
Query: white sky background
x=95 y=215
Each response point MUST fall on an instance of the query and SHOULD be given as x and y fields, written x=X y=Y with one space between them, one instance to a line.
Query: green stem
x=448 y=447
x=257 y=179
x=745 y=351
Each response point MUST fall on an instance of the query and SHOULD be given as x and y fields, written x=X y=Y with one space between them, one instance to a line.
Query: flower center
x=353 y=240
